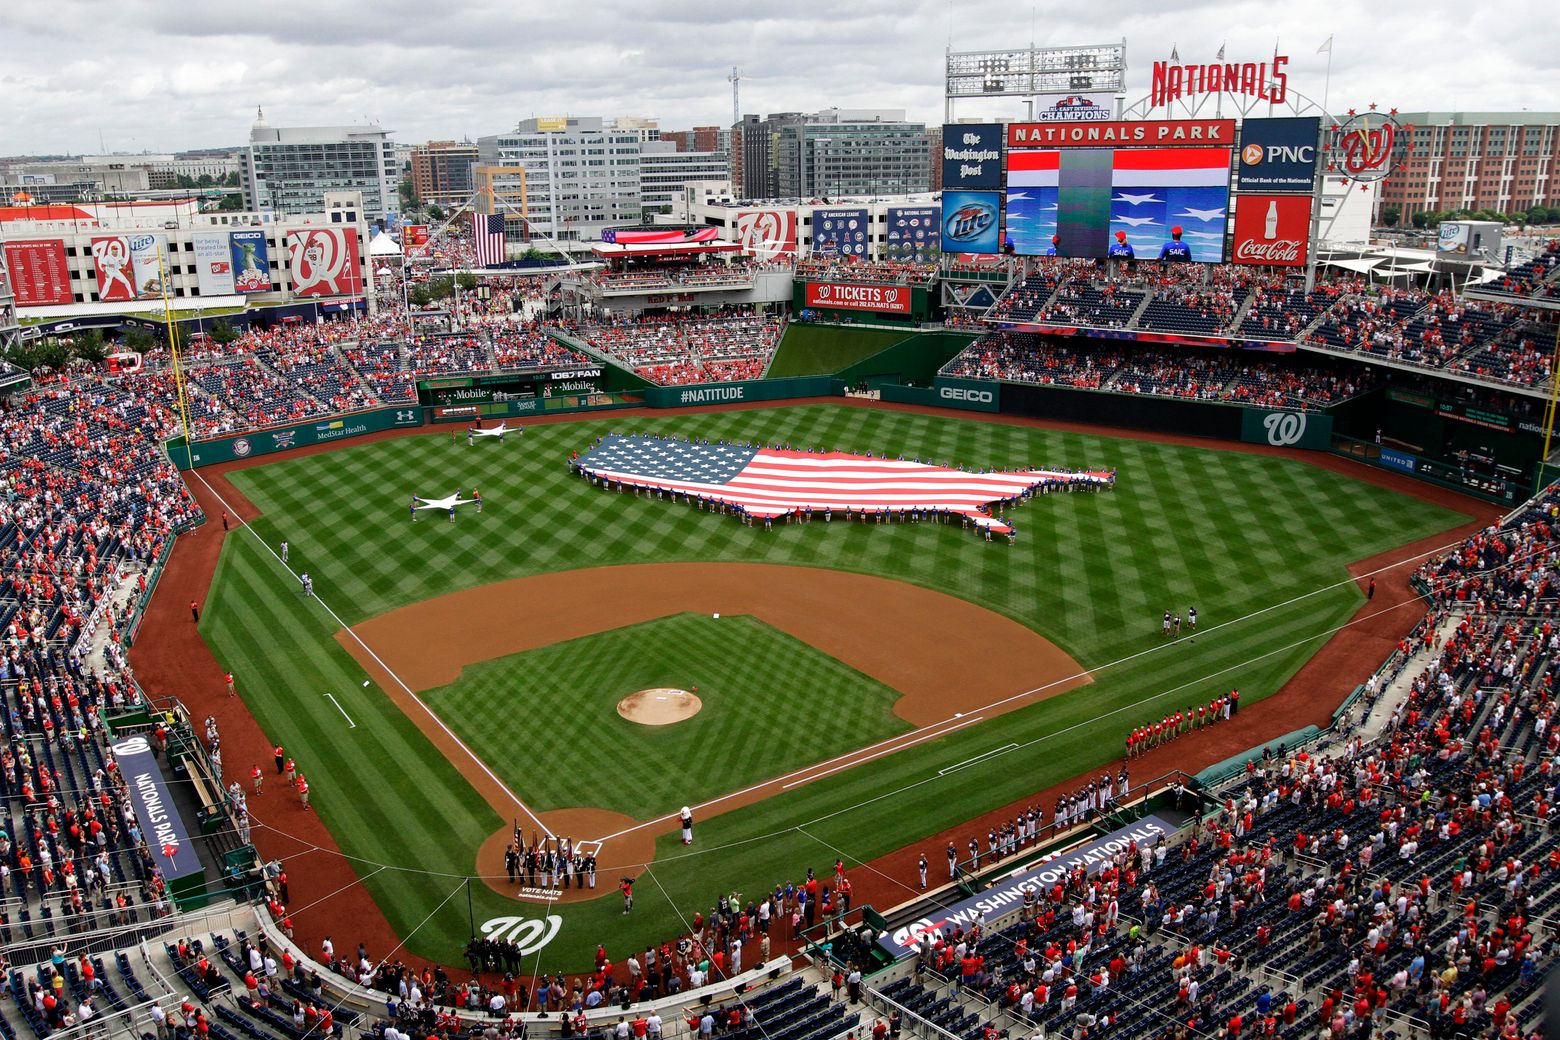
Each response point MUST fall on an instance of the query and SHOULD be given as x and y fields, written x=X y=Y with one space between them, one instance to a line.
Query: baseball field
x=852 y=667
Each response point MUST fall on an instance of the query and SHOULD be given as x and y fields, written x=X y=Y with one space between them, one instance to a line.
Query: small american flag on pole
x=771 y=482
x=487 y=232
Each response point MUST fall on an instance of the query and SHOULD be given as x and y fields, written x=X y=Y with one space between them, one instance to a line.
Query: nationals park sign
x=888 y=299
x=1123 y=133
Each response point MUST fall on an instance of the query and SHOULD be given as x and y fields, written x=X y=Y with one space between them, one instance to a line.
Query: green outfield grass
x=764 y=694
x=819 y=350
x=1229 y=533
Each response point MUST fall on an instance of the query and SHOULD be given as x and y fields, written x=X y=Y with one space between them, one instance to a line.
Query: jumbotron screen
x=1126 y=202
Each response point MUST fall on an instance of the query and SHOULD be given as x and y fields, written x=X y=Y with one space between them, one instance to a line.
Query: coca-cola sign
x=1272 y=229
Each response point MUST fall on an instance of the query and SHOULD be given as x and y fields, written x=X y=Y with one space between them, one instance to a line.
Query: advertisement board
x=1278 y=155
x=266 y=442
x=146 y=259
x=1006 y=895
x=40 y=274
x=971 y=222
x=213 y=263
x=1085 y=196
x=324 y=262
x=1075 y=108
x=765 y=234
x=1469 y=240
x=972 y=155
x=414 y=240
x=111 y=262
x=251 y=261
x=886 y=299
x=1134 y=133
x=841 y=232
x=976 y=395
x=912 y=234
x=1271 y=229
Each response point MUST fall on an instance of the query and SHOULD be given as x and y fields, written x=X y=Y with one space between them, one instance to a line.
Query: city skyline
x=480 y=67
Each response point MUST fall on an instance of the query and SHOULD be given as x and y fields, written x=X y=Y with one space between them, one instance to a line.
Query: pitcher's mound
x=661 y=706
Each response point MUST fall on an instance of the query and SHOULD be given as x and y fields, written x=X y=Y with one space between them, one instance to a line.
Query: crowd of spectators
x=852 y=269
x=672 y=350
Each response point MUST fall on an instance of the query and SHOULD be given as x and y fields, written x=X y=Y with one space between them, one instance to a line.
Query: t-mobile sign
x=1272 y=229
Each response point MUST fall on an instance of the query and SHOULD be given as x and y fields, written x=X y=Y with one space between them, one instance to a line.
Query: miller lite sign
x=1272 y=229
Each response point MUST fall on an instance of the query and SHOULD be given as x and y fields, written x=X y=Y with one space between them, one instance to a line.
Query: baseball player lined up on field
x=1170 y=627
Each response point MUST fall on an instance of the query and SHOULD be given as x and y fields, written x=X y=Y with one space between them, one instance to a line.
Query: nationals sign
x=1272 y=229
x=891 y=299
x=111 y=258
x=1122 y=132
x=324 y=262
x=1178 y=82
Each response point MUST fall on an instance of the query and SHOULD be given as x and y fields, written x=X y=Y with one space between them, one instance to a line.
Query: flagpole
x=1327 y=82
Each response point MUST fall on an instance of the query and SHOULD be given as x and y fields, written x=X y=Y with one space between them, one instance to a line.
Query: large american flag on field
x=487 y=233
x=771 y=482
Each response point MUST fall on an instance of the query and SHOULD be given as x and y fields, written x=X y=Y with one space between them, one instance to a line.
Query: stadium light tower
x=1030 y=71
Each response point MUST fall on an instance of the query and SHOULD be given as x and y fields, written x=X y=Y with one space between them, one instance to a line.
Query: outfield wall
x=283 y=438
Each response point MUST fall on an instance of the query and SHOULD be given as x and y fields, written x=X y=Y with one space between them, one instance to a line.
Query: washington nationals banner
x=841 y=232
x=766 y=234
x=324 y=262
x=111 y=261
x=773 y=482
x=162 y=827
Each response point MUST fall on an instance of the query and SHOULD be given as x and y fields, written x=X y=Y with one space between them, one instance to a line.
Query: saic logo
x=959 y=393
x=529 y=936
x=970 y=222
x=1284 y=428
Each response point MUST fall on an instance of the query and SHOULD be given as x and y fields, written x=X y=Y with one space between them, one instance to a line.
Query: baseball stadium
x=1007 y=631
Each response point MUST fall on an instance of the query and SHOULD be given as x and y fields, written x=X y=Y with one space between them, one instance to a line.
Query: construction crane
x=735 y=78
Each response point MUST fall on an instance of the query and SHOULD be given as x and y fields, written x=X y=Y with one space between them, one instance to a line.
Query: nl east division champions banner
x=213 y=263
x=767 y=233
x=251 y=262
x=1085 y=195
x=40 y=274
x=111 y=261
x=771 y=482
x=840 y=232
x=912 y=234
x=324 y=262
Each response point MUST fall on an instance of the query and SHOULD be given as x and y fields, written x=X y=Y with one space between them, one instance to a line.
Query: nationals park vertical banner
x=213 y=263
x=111 y=262
x=147 y=261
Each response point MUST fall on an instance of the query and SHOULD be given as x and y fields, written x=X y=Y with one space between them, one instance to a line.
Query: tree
x=466 y=280
x=441 y=288
x=231 y=204
x=138 y=340
x=1421 y=220
x=419 y=296
x=222 y=332
x=435 y=214
x=1390 y=215
x=89 y=346
x=409 y=199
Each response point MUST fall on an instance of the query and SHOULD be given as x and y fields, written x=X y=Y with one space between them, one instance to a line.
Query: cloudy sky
x=163 y=75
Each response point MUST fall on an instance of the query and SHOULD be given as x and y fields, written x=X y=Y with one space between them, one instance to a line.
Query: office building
x=288 y=170
x=664 y=171
x=441 y=172
x=833 y=152
x=1501 y=161
x=580 y=175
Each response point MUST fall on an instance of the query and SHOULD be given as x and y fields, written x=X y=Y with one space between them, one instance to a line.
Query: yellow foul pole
x=173 y=349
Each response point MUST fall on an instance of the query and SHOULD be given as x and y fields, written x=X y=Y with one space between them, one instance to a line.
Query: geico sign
x=958 y=393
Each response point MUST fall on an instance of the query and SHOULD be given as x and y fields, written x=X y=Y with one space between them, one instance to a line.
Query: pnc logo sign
x=959 y=393
x=1253 y=154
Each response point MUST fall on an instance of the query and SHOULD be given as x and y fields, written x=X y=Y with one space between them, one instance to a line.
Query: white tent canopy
x=383 y=245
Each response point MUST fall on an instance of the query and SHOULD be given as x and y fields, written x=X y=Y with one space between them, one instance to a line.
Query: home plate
x=659 y=706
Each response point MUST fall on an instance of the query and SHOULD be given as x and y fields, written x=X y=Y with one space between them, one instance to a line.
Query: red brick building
x=1502 y=161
